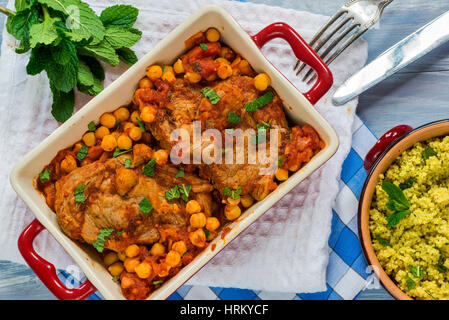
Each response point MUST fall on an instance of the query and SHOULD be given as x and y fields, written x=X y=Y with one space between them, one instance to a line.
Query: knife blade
x=410 y=49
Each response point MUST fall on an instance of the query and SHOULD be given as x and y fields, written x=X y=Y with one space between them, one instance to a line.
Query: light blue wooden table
x=415 y=96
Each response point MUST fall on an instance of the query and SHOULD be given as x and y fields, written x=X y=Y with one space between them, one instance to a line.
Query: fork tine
x=321 y=43
x=322 y=30
x=332 y=46
x=345 y=45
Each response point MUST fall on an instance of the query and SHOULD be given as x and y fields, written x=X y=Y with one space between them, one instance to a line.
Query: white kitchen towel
x=287 y=249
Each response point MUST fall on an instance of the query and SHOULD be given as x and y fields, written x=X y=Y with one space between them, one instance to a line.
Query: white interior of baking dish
x=120 y=93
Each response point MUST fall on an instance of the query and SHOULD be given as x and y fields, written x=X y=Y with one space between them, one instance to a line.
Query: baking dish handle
x=45 y=270
x=384 y=143
x=303 y=52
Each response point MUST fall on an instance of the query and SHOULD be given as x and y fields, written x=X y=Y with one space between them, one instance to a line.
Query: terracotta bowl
x=389 y=147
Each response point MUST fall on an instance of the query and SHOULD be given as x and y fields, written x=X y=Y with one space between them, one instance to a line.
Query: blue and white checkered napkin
x=347 y=272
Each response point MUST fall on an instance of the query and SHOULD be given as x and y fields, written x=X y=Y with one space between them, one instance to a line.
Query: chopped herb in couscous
x=409 y=220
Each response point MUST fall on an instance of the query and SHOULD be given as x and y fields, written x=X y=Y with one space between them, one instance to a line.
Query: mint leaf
x=63 y=104
x=40 y=58
x=281 y=161
x=260 y=102
x=119 y=15
x=119 y=152
x=145 y=206
x=83 y=23
x=417 y=272
x=45 y=176
x=408 y=184
x=173 y=193
x=184 y=191
x=93 y=90
x=411 y=284
x=396 y=217
x=263 y=126
x=233 y=118
x=82 y=153
x=158 y=282
x=204 y=47
x=85 y=76
x=101 y=239
x=63 y=77
x=79 y=194
x=64 y=53
x=128 y=163
x=44 y=33
x=127 y=56
x=103 y=51
x=120 y=38
x=210 y=94
x=19 y=25
x=92 y=126
x=233 y=194
x=382 y=241
x=141 y=125
x=395 y=193
x=429 y=152
x=95 y=67
x=148 y=170
x=180 y=173
x=116 y=278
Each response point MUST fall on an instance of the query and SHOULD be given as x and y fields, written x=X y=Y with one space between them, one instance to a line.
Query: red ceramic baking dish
x=299 y=107
x=389 y=147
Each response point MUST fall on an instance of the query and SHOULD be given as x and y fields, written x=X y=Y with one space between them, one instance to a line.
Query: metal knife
x=397 y=57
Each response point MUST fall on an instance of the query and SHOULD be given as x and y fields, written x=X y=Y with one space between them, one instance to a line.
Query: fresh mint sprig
x=66 y=39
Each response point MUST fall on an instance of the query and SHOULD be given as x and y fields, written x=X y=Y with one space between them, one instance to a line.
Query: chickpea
x=212 y=224
x=212 y=77
x=154 y=72
x=245 y=68
x=121 y=256
x=234 y=202
x=169 y=76
x=102 y=132
x=132 y=251
x=227 y=53
x=89 y=139
x=124 y=142
x=224 y=71
x=262 y=82
x=125 y=180
x=131 y=264
x=178 y=67
x=193 y=77
x=161 y=157
x=212 y=35
x=121 y=114
x=116 y=269
x=109 y=143
x=179 y=247
x=145 y=83
x=232 y=212
x=198 y=238
x=198 y=220
x=157 y=249
x=247 y=201
x=110 y=258
x=108 y=120
x=128 y=126
x=281 y=174
x=173 y=258
x=294 y=168
x=127 y=282
x=148 y=114
x=116 y=134
x=68 y=164
x=193 y=207
x=134 y=116
x=144 y=270
x=135 y=133
x=222 y=61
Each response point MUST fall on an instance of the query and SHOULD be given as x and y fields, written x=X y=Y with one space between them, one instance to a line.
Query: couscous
x=409 y=220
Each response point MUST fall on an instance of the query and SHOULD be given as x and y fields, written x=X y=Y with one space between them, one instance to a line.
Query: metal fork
x=358 y=16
